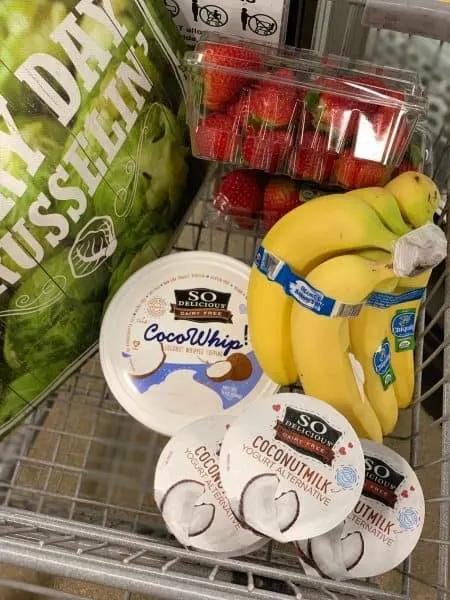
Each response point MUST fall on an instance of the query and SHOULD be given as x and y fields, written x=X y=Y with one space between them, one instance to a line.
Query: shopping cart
x=76 y=478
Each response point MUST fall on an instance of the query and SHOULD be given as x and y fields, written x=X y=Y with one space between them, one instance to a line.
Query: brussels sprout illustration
x=94 y=244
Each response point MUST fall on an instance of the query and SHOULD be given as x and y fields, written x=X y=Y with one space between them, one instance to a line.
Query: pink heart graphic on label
x=276 y=407
x=405 y=493
x=136 y=343
x=342 y=451
x=350 y=445
x=412 y=488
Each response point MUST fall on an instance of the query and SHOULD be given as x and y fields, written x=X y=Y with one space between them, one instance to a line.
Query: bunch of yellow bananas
x=342 y=244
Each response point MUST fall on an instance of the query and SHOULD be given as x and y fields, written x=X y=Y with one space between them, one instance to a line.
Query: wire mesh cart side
x=76 y=479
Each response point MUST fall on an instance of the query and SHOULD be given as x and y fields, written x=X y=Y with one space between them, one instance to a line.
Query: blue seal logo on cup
x=382 y=358
x=346 y=477
x=402 y=324
x=408 y=518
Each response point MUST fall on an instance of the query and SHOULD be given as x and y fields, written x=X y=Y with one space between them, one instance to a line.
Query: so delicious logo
x=202 y=305
x=382 y=481
x=308 y=434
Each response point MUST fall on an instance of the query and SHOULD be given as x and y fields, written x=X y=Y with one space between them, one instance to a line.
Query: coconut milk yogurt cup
x=292 y=467
x=190 y=495
x=383 y=528
x=174 y=343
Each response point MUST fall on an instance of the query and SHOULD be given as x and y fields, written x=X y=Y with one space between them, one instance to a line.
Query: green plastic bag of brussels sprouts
x=94 y=173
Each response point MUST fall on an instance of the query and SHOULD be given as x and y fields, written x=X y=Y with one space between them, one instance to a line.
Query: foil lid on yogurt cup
x=383 y=528
x=292 y=467
x=190 y=495
x=174 y=343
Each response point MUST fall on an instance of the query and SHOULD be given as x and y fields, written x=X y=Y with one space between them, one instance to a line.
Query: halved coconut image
x=258 y=506
x=177 y=508
x=352 y=549
x=148 y=360
x=237 y=367
x=202 y=519
x=288 y=510
x=303 y=552
x=241 y=521
x=325 y=552
x=266 y=513
x=219 y=371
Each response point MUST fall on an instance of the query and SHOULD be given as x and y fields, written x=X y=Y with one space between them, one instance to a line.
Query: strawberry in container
x=313 y=159
x=327 y=120
x=239 y=195
x=273 y=107
x=334 y=111
x=241 y=110
x=281 y=195
x=365 y=135
x=381 y=141
x=223 y=77
x=328 y=124
x=253 y=200
x=419 y=154
x=352 y=172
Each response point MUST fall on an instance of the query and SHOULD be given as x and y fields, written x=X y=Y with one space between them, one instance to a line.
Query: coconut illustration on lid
x=237 y=367
x=352 y=549
x=174 y=343
x=190 y=495
x=259 y=514
x=147 y=363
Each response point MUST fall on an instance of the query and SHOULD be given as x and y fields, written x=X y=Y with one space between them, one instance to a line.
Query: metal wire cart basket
x=76 y=479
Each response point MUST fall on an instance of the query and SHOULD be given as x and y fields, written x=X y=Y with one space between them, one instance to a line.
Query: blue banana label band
x=309 y=297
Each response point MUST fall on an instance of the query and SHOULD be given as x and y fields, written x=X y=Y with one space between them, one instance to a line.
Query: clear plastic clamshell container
x=324 y=119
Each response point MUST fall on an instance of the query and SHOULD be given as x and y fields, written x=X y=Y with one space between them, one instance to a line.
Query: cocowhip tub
x=174 y=343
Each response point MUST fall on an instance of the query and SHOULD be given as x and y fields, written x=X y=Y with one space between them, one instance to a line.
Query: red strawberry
x=391 y=128
x=373 y=89
x=382 y=137
x=333 y=110
x=368 y=86
x=313 y=160
x=280 y=197
x=375 y=84
x=214 y=137
x=220 y=85
x=353 y=173
x=274 y=103
x=238 y=109
x=266 y=149
x=239 y=195
x=364 y=82
x=306 y=122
